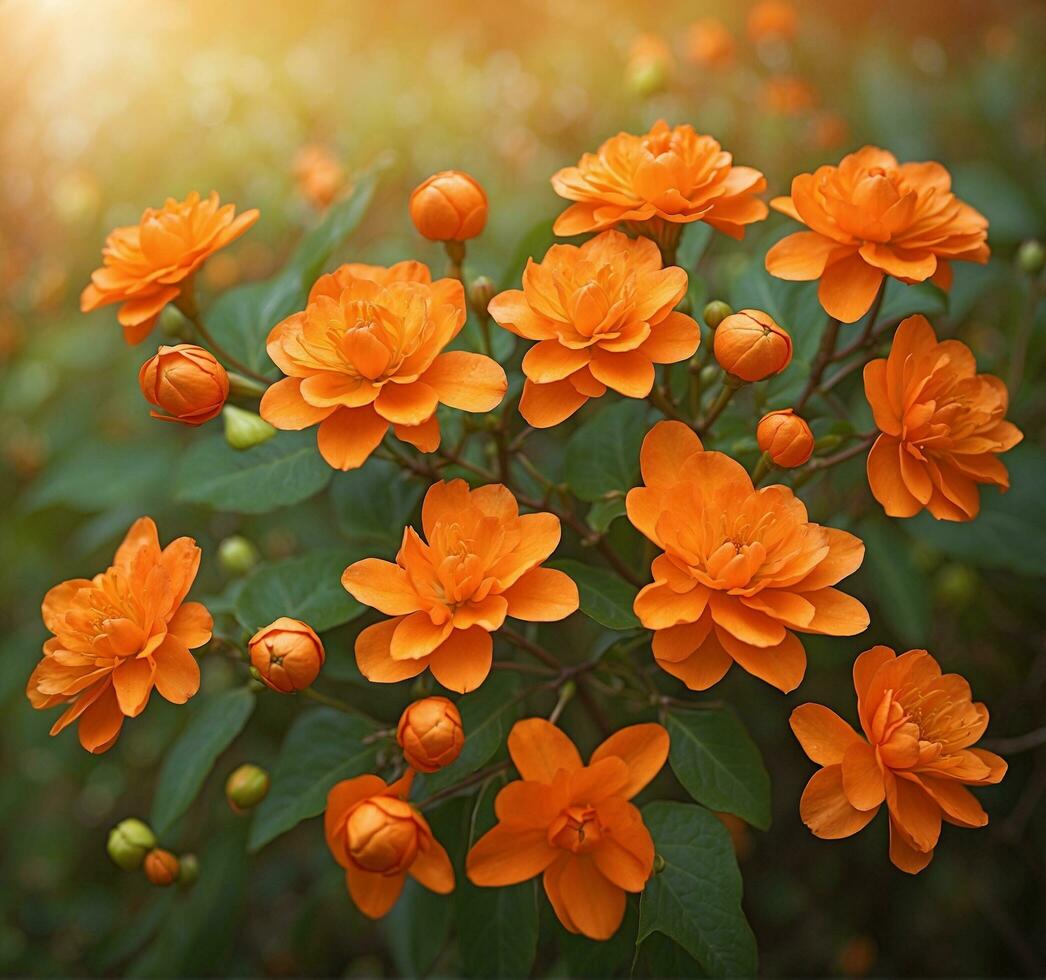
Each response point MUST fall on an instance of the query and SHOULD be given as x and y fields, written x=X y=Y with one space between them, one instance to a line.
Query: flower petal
x=539 y=750
x=468 y=382
x=825 y=809
x=824 y=736
x=506 y=856
x=542 y=595
x=374 y=656
x=382 y=585
x=644 y=749
x=461 y=663
x=348 y=436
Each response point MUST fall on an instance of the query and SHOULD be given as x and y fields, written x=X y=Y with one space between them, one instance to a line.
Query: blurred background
x=109 y=106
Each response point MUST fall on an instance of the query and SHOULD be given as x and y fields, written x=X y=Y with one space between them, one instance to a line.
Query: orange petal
x=800 y=256
x=862 y=777
x=866 y=666
x=707 y=665
x=660 y=607
x=407 y=404
x=341 y=798
x=836 y=613
x=625 y=854
x=903 y=854
x=461 y=663
x=417 y=636
x=382 y=585
x=551 y=882
x=177 y=673
x=133 y=683
x=595 y=905
x=845 y=554
x=666 y=446
x=424 y=437
x=598 y=781
x=549 y=361
x=141 y=536
x=886 y=481
x=848 y=287
x=915 y=811
x=433 y=869
x=631 y=373
x=506 y=856
x=676 y=643
x=348 y=436
x=958 y=805
x=100 y=724
x=676 y=338
x=374 y=894
x=546 y=405
x=468 y=382
x=283 y=406
x=524 y=804
x=644 y=749
x=539 y=750
x=825 y=809
x=192 y=624
x=542 y=595
x=824 y=736
x=750 y=626
x=783 y=665
x=374 y=657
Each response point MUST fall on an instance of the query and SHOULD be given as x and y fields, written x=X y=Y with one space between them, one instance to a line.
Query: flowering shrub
x=496 y=607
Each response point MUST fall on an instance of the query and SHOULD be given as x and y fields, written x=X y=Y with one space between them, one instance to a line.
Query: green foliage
x=285 y=470
x=322 y=747
x=500 y=929
x=899 y=586
x=603 y=454
x=719 y=765
x=696 y=898
x=307 y=588
x=211 y=729
x=373 y=505
x=604 y=597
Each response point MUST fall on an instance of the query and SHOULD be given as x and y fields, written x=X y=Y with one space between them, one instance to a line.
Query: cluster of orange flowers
x=741 y=571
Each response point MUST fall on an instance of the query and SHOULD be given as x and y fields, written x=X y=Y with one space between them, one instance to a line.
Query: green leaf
x=498 y=929
x=718 y=764
x=603 y=455
x=900 y=589
x=213 y=725
x=372 y=505
x=1009 y=532
x=658 y=956
x=903 y=300
x=597 y=959
x=338 y=222
x=417 y=927
x=793 y=305
x=486 y=716
x=604 y=597
x=307 y=588
x=603 y=513
x=696 y=898
x=285 y=470
x=321 y=748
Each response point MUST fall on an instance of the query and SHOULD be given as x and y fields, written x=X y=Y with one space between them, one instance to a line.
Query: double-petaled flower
x=668 y=176
x=871 y=217
x=916 y=755
x=574 y=823
x=446 y=595
x=942 y=426
x=602 y=316
x=743 y=570
x=145 y=265
x=367 y=352
x=119 y=635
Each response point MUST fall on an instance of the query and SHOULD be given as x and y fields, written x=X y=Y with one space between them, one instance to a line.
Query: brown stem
x=824 y=355
x=455 y=788
x=825 y=462
x=716 y=408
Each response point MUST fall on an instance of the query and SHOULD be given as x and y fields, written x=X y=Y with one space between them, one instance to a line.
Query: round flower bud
x=481 y=292
x=449 y=206
x=751 y=346
x=716 y=312
x=161 y=867
x=287 y=654
x=785 y=437
x=188 y=870
x=186 y=383
x=237 y=555
x=246 y=787
x=245 y=429
x=1031 y=257
x=382 y=835
x=129 y=841
x=430 y=734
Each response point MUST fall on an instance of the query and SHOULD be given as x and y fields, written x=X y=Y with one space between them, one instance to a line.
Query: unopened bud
x=287 y=655
x=785 y=438
x=245 y=429
x=129 y=841
x=708 y=374
x=161 y=867
x=481 y=292
x=237 y=555
x=716 y=312
x=189 y=870
x=1031 y=257
x=246 y=787
x=751 y=346
x=659 y=864
x=430 y=734
x=449 y=206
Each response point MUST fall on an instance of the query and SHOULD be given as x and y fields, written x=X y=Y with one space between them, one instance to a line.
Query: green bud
x=709 y=374
x=245 y=429
x=129 y=841
x=189 y=871
x=659 y=864
x=648 y=77
x=1031 y=257
x=716 y=312
x=237 y=555
x=481 y=292
x=246 y=787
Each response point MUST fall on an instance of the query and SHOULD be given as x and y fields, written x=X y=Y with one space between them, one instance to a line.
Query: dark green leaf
x=372 y=505
x=603 y=455
x=899 y=586
x=307 y=588
x=322 y=747
x=212 y=726
x=603 y=513
x=498 y=929
x=598 y=959
x=285 y=470
x=660 y=957
x=903 y=300
x=604 y=597
x=696 y=898
x=718 y=764
x=417 y=927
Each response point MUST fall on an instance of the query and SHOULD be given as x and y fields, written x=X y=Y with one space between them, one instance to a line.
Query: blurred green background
x=111 y=105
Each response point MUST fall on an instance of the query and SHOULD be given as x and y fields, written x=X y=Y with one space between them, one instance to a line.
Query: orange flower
x=918 y=727
x=287 y=654
x=670 y=176
x=449 y=206
x=751 y=346
x=603 y=316
x=319 y=176
x=786 y=437
x=120 y=634
x=379 y=838
x=788 y=95
x=481 y=564
x=574 y=823
x=187 y=382
x=772 y=20
x=161 y=867
x=942 y=426
x=144 y=263
x=743 y=569
x=709 y=43
x=367 y=352
x=650 y=64
x=430 y=734
x=872 y=217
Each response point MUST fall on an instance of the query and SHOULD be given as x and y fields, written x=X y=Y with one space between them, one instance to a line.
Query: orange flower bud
x=161 y=867
x=382 y=835
x=786 y=437
x=287 y=655
x=430 y=734
x=751 y=346
x=186 y=383
x=449 y=206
